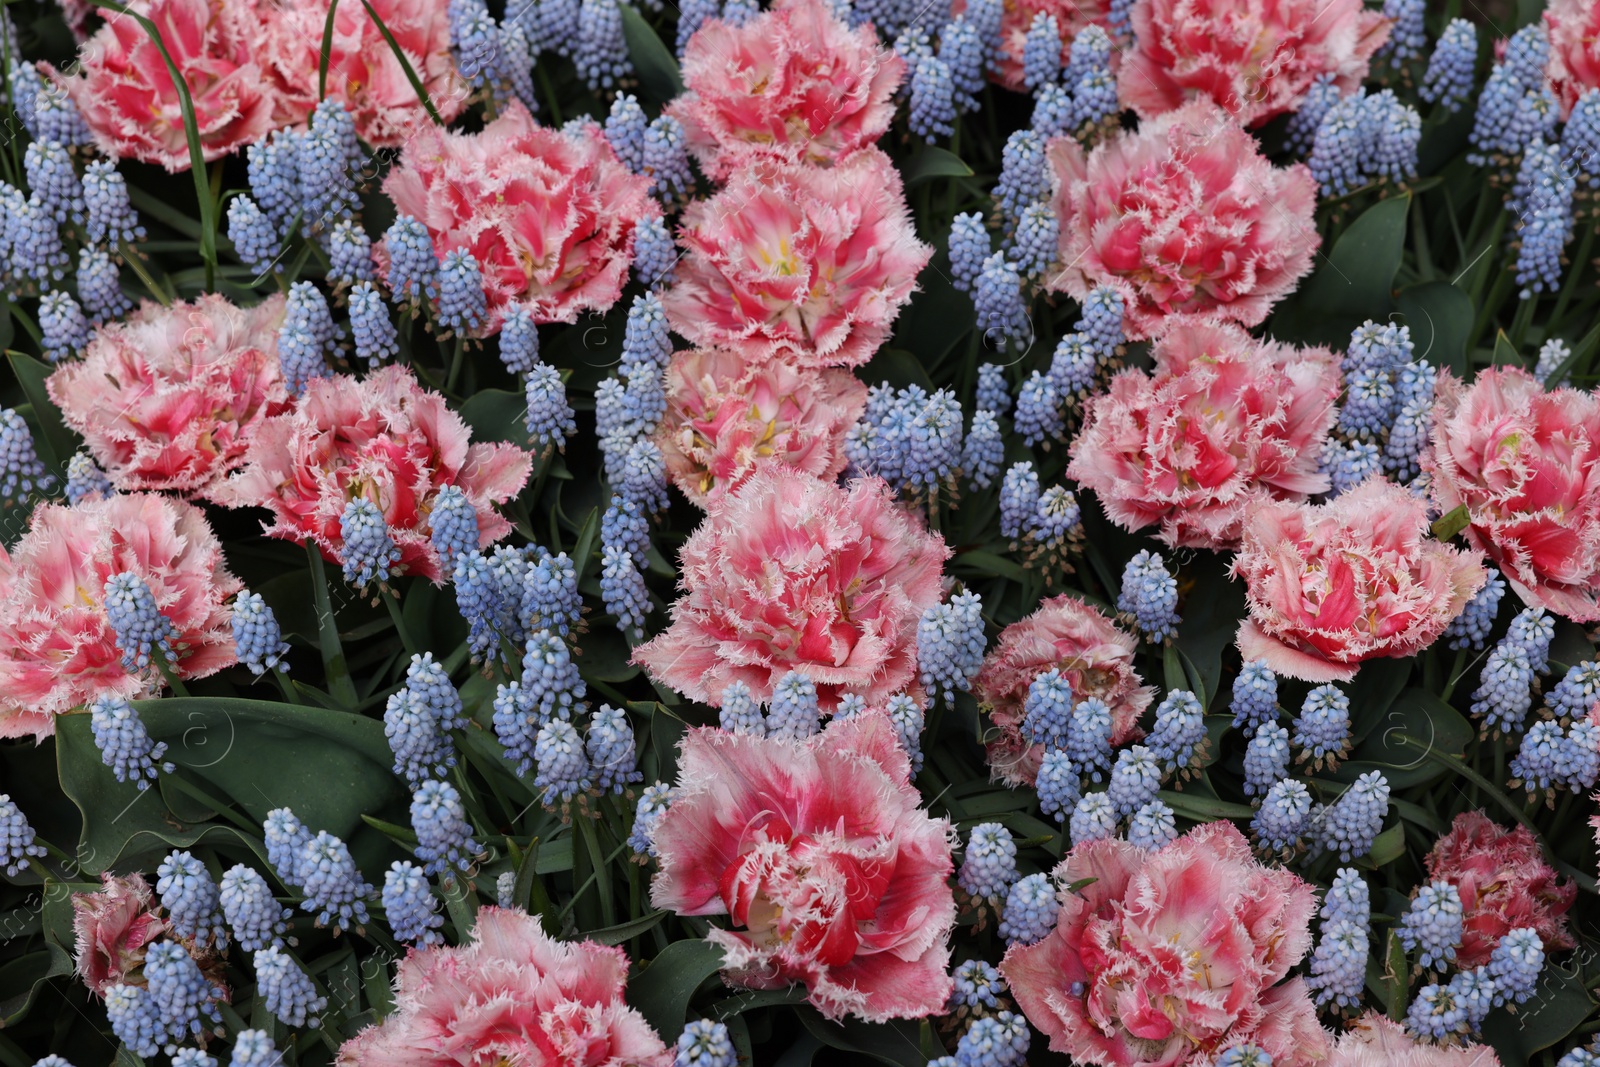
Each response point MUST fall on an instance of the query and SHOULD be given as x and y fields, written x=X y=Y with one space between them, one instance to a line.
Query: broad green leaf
x=893 y=1043
x=1417 y=717
x=1559 y=1005
x=652 y=59
x=1377 y=686
x=331 y=767
x=496 y=415
x=21 y=978
x=663 y=989
x=1212 y=605
x=934 y=162
x=1440 y=317
x=1358 y=274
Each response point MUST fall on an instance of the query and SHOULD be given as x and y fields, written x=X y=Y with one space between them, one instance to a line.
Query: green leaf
x=933 y=162
x=1212 y=606
x=1440 y=317
x=1376 y=688
x=1386 y=848
x=1505 y=353
x=662 y=991
x=894 y=1043
x=1353 y=282
x=1358 y=276
x=1559 y=1005
x=652 y=60
x=757 y=999
x=56 y=442
x=1418 y=717
x=331 y=766
x=21 y=978
x=1204 y=809
x=616 y=935
x=496 y=415
x=989 y=565
x=1452 y=523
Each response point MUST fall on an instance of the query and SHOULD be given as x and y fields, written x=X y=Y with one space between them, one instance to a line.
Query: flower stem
x=333 y=662
x=393 y=605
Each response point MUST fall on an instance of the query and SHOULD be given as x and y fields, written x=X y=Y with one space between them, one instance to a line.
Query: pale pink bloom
x=512 y=995
x=382 y=437
x=820 y=855
x=1071 y=16
x=793 y=85
x=1167 y=957
x=1574 y=66
x=548 y=214
x=1184 y=215
x=1375 y=1040
x=1354 y=579
x=1504 y=884
x=114 y=926
x=57 y=648
x=1092 y=653
x=1225 y=422
x=1253 y=58
x=1526 y=465
x=363 y=72
x=791 y=573
x=727 y=419
x=803 y=263
x=121 y=84
x=168 y=398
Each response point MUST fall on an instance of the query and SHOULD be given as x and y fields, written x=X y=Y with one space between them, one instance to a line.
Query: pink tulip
x=114 y=926
x=363 y=72
x=57 y=648
x=793 y=85
x=1574 y=66
x=548 y=214
x=384 y=438
x=1375 y=1040
x=1359 y=577
x=1167 y=957
x=821 y=857
x=791 y=573
x=1504 y=883
x=727 y=419
x=1092 y=653
x=1252 y=58
x=121 y=84
x=1225 y=422
x=513 y=994
x=169 y=397
x=1526 y=466
x=1183 y=216
x=803 y=263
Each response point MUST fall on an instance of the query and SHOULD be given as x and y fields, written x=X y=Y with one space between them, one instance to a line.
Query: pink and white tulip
x=1224 y=422
x=1092 y=653
x=1526 y=465
x=728 y=419
x=1167 y=957
x=1357 y=578
x=548 y=214
x=384 y=438
x=57 y=648
x=513 y=994
x=801 y=263
x=1183 y=216
x=1253 y=58
x=169 y=397
x=790 y=573
x=820 y=855
x=793 y=85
